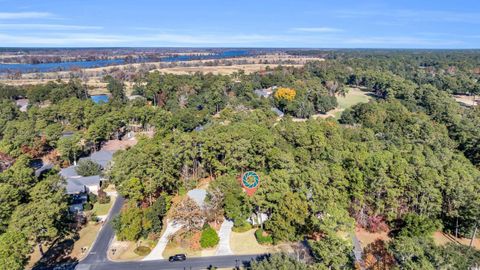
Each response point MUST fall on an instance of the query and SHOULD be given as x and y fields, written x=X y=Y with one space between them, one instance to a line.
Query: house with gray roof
x=265 y=93
x=102 y=157
x=77 y=184
x=277 y=111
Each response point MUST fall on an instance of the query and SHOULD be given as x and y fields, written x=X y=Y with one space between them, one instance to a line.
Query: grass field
x=353 y=97
x=102 y=209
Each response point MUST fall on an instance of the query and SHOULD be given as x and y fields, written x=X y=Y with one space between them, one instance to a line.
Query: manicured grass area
x=353 y=97
x=102 y=209
x=173 y=248
x=246 y=243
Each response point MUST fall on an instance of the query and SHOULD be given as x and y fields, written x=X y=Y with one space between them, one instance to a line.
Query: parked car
x=177 y=257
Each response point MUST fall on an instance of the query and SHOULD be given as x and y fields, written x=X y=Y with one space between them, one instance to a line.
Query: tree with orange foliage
x=286 y=94
x=377 y=256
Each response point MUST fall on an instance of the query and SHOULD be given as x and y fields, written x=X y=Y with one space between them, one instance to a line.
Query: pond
x=99 y=98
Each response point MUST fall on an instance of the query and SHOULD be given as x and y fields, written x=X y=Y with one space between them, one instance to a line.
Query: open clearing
x=442 y=238
x=468 y=101
x=353 y=97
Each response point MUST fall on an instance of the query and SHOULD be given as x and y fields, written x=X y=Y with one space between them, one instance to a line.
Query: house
x=257 y=219
x=43 y=169
x=134 y=97
x=77 y=184
x=102 y=157
x=22 y=104
x=277 y=111
x=265 y=93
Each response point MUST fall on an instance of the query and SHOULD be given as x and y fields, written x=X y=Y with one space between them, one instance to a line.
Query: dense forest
x=407 y=162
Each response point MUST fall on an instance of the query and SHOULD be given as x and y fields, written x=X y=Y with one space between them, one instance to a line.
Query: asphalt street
x=98 y=252
x=191 y=263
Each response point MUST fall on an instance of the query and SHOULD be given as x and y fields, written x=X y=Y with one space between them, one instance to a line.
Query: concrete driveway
x=156 y=254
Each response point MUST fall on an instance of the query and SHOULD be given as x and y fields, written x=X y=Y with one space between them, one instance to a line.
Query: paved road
x=98 y=252
x=190 y=263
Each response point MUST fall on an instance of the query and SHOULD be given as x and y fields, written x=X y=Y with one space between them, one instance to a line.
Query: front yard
x=102 y=209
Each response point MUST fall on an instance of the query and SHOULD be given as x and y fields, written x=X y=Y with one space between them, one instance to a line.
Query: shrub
x=209 y=238
x=182 y=191
x=263 y=238
x=87 y=167
x=93 y=217
x=242 y=228
x=92 y=198
x=142 y=251
x=87 y=206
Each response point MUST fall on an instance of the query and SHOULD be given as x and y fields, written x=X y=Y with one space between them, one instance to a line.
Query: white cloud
x=407 y=15
x=88 y=39
x=316 y=29
x=224 y=40
x=40 y=26
x=24 y=15
x=401 y=41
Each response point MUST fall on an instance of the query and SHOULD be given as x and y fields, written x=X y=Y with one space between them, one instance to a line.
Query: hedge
x=209 y=238
x=261 y=238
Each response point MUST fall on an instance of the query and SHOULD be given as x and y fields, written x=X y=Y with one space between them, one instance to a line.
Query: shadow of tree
x=58 y=256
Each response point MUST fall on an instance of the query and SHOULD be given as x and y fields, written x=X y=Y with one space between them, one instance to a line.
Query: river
x=61 y=66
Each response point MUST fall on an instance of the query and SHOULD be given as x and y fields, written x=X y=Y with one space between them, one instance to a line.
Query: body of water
x=50 y=67
x=100 y=99
x=47 y=67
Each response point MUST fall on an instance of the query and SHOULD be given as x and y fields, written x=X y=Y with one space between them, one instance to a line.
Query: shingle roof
x=44 y=168
x=77 y=185
x=101 y=157
x=278 y=112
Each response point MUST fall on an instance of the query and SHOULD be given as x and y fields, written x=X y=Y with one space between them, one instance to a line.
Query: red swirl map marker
x=250 y=182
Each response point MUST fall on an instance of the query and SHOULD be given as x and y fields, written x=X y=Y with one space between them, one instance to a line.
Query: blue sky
x=241 y=23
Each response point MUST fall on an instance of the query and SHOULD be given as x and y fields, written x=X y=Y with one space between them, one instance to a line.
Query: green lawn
x=102 y=209
x=353 y=97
